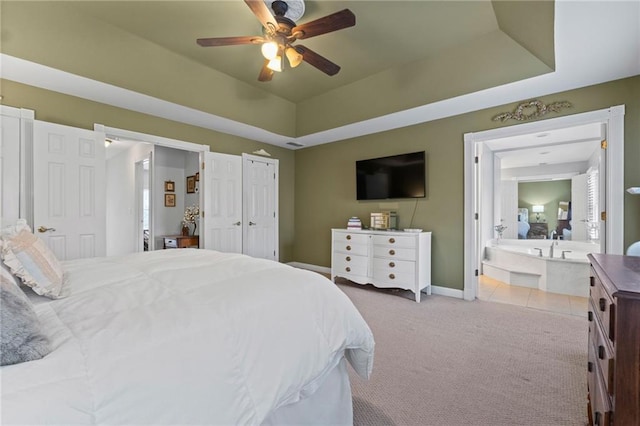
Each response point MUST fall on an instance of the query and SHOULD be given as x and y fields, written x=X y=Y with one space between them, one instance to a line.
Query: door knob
x=251 y=223
x=45 y=229
x=238 y=223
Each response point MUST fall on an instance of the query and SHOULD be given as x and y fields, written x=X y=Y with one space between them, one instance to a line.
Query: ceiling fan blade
x=229 y=41
x=260 y=9
x=320 y=62
x=265 y=73
x=336 y=21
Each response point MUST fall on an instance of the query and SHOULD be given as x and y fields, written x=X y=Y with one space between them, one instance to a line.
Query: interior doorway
x=482 y=168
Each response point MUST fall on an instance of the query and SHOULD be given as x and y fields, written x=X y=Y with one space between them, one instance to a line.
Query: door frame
x=114 y=133
x=612 y=117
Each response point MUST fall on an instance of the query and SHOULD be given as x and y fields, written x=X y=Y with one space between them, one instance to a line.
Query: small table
x=181 y=241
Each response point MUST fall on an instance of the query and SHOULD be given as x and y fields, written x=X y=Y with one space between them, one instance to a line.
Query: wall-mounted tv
x=397 y=176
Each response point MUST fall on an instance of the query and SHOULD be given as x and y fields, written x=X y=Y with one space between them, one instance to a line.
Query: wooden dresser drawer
x=604 y=308
x=351 y=248
x=394 y=252
x=350 y=264
x=394 y=241
x=351 y=238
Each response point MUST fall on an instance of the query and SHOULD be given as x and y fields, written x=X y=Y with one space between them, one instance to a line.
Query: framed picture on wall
x=169 y=200
x=169 y=186
x=191 y=184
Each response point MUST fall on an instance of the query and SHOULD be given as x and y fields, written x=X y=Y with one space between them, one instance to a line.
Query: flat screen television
x=397 y=176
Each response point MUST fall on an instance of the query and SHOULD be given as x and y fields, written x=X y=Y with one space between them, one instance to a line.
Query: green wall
x=549 y=194
x=325 y=178
x=317 y=184
x=71 y=111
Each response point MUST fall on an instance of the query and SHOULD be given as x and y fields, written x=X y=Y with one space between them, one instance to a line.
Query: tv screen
x=397 y=176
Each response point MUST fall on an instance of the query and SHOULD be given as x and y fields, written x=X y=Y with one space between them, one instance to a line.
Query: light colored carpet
x=450 y=362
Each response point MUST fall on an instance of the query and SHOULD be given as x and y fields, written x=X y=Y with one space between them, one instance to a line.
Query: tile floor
x=496 y=291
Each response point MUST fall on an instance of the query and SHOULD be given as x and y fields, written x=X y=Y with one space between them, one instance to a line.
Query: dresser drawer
x=350 y=238
x=170 y=243
x=394 y=265
x=394 y=252
x=403 y=279
x=601 y=408
x=604 y=308
x=351 y=248
x=600 y=351
x=394 y=241
x=350 y=264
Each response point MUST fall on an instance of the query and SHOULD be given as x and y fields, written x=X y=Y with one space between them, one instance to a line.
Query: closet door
x=260 y=187
x=69 y=191
x=222 y=188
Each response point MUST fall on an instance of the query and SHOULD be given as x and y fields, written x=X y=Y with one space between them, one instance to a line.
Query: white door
x=9 y=167
x=222 y=202
x=260 y=188
x=69 y=191
x=579 y=208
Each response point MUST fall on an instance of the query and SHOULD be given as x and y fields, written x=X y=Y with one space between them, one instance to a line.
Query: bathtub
x=518 y=262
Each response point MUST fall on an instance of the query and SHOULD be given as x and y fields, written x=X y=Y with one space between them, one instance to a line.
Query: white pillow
x=28 y=257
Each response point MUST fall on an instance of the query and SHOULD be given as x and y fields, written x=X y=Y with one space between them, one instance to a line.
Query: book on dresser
x=386 y=259
x=613 y=378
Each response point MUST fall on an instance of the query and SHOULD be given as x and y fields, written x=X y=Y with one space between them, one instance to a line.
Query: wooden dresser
x=181 y=241
x=386 y=259
x=614 y=340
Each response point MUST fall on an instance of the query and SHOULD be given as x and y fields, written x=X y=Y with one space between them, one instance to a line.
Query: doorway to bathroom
x=484 y=152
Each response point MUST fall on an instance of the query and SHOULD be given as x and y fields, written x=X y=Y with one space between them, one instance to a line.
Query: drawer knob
x=348 y=237
x=392 y=252
x=392 y=240
x=348 y=247
x=348 y=258
x=592 y=281
x=601 y=353
x=393 y=277
x=603 y=304
x=348 y=269
x=392 y=265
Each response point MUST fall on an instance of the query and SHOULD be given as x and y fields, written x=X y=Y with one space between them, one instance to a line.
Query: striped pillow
x=28 y=257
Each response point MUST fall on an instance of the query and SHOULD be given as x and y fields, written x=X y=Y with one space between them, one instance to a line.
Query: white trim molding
x=612 y=118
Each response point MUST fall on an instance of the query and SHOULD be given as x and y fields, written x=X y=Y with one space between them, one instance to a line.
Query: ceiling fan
x=280 y=33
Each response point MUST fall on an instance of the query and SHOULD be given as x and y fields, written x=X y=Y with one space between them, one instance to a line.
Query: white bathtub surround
x=518 y=262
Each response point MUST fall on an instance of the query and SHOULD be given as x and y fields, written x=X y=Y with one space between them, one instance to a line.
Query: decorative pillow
x=21 y=339
x=28 y=257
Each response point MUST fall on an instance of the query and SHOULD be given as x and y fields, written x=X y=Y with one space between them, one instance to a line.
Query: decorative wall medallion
x=532 y=109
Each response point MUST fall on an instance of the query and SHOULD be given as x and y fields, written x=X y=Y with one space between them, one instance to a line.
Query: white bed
x=190 y=337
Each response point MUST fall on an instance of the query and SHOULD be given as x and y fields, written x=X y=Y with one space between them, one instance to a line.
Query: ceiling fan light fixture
x=293 y=56
x=269 y=50
x=275 y=64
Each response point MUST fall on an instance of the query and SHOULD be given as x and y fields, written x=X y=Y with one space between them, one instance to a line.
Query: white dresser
x=386 y=259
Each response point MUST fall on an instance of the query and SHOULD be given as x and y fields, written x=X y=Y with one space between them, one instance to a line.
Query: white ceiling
x=595 y=42
x=573 y=144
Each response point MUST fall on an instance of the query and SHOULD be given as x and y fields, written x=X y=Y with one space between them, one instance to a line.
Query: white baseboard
x=446 y=291
x=435 y=289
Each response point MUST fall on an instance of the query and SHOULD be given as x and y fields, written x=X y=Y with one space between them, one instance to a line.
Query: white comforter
x=184 y=337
